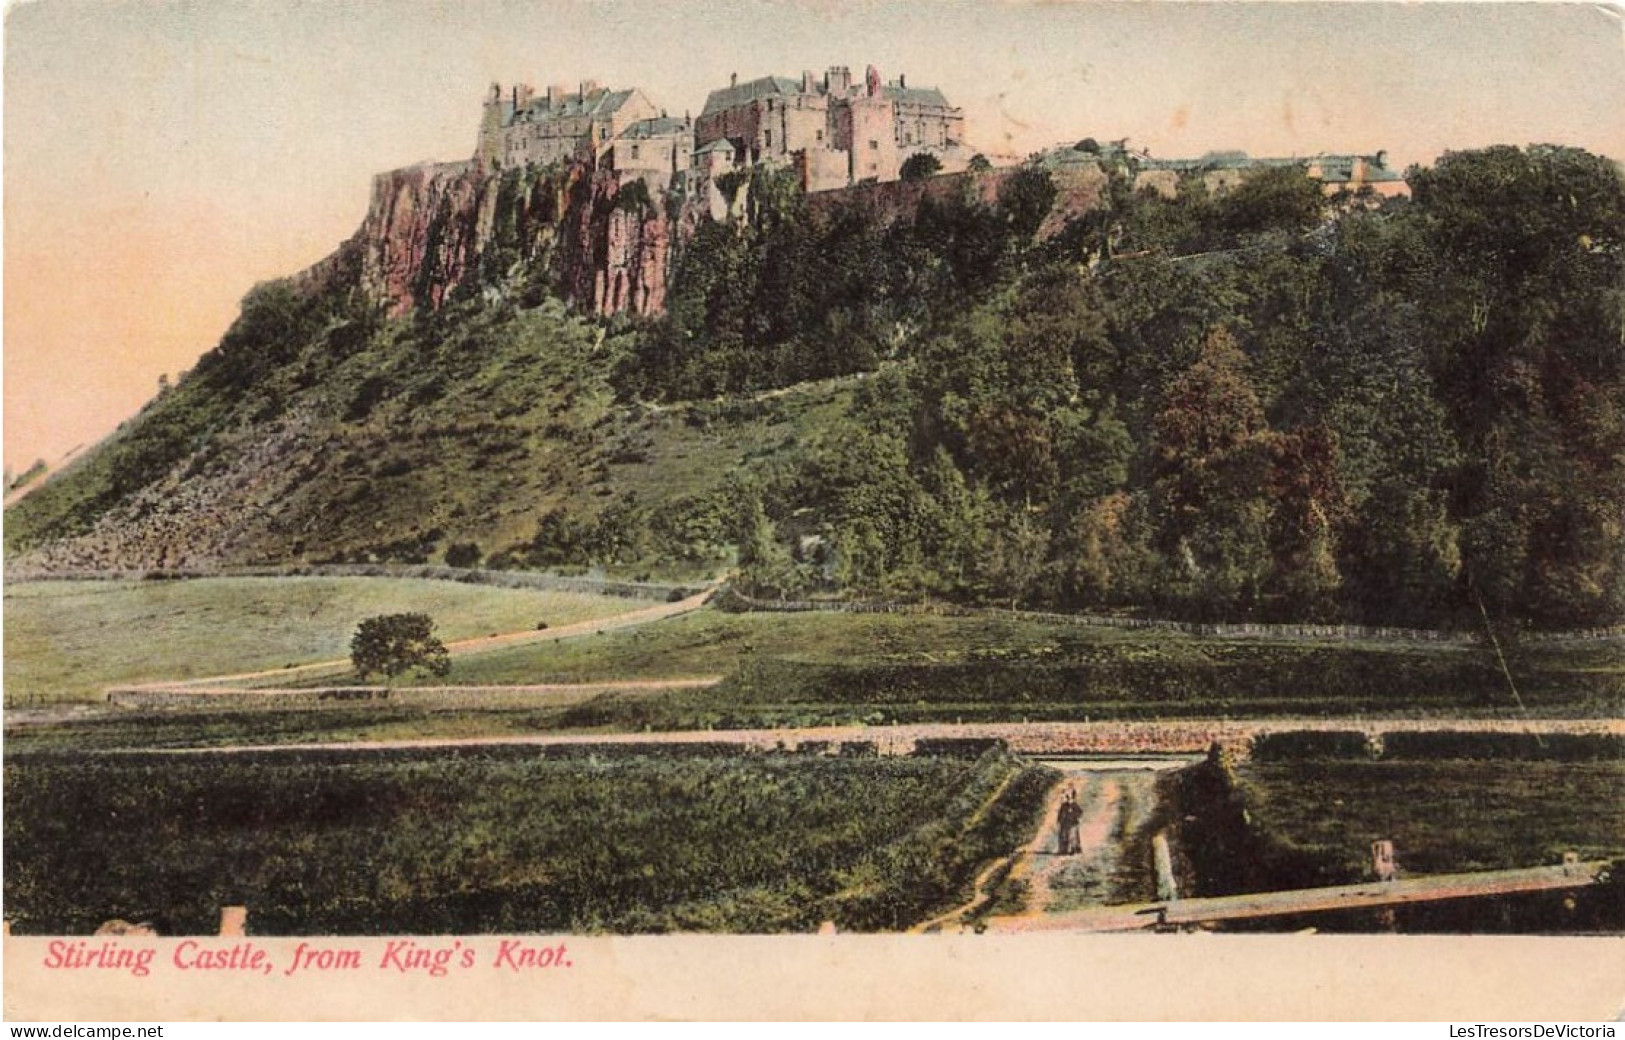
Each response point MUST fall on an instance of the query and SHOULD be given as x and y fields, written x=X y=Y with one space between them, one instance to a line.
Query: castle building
x=658 y=150
x=1222 y=171
x=834 y=131
x=522 y=127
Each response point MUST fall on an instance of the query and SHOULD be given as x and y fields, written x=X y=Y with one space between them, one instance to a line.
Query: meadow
x=1496 y=815
x=835 y=668
x=829 y=668
x=1302 y=813
x=68 y=640
x=592 y=840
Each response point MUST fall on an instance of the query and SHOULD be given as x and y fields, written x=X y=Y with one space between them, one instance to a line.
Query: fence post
x=233 y=922
x=1382 y=860
x=1167 y=887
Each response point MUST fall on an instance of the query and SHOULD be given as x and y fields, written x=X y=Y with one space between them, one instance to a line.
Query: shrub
x=1285 y=747
x=919 y=166
x=1552 y=747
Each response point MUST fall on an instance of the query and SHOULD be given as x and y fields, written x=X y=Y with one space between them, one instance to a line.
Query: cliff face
x=433 y=231
x=423 y=234
x=617 y=257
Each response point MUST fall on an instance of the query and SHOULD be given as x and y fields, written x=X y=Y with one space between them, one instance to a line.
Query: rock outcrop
x=435 y=231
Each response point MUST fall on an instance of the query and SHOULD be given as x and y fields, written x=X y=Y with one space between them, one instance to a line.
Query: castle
x=834 y=132
x=831 y=131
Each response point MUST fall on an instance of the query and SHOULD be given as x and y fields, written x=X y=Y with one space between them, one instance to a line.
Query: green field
x=67 y=641
x=1303 y=810
x=831 y=668
x=716 y=642
x=602 y=840
x=1443 y=816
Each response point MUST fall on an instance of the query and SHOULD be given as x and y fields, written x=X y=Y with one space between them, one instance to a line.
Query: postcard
x=933 y=509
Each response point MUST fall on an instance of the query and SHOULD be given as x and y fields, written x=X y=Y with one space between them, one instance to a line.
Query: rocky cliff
x=436 y=231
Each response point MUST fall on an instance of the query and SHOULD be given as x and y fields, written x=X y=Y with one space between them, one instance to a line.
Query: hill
x=1025 y=386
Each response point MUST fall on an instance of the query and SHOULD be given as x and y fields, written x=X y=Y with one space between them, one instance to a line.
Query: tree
x=1274 y=198
x=397 y=643
x=919 y=166
x=1524 y=322
x=1211 y=463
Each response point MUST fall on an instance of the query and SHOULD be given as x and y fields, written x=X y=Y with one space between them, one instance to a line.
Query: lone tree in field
x=395 y=644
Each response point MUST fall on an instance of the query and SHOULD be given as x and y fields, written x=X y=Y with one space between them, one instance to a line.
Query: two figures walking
x=1068 y=819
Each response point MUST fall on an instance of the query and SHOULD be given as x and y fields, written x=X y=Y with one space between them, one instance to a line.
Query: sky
x=162 y=157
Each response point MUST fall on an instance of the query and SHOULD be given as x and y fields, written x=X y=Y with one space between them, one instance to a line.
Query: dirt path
x=1113 y=803
x=684 y=682
x=1045 y=868
x=1045 y=842
x=1038 y=739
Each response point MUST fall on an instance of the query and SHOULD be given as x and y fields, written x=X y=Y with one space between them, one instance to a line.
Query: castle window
x=634 y=151
x=820 y=135
x=874 y=146
x=769 y=134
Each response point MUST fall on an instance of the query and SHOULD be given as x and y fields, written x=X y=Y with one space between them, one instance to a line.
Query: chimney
x=807 y=81
x=553 y=93
x=902 y=81
x=733 y=79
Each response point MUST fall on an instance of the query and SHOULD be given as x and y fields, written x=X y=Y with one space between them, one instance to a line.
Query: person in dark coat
x=1068 y=818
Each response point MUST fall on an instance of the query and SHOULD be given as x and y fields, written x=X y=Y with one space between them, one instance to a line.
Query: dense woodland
x=1266 y=404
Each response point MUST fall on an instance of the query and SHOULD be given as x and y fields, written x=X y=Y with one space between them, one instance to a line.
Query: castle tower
x=494 y=120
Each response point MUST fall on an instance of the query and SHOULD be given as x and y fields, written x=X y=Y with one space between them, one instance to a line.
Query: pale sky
x=163 y=157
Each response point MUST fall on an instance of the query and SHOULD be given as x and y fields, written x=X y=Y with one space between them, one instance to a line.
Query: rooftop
x=929 y=97
x=743 y=93
x=597 y=103
x=661 y=126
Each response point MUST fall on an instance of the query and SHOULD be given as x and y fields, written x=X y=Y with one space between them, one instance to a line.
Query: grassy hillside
x=66 y=641
x=489 y=429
